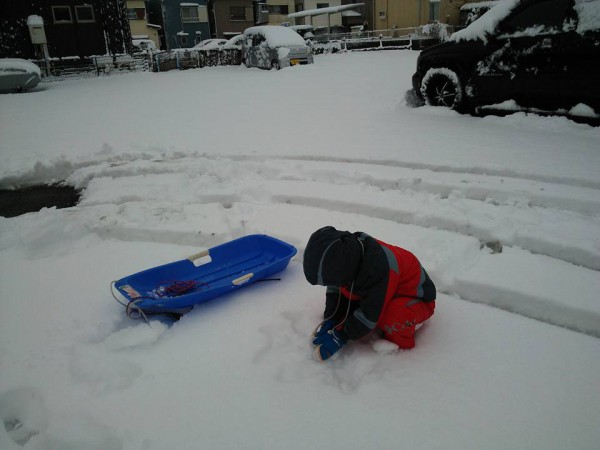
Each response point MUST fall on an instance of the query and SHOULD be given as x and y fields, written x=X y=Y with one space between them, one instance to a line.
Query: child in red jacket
x=370 y=285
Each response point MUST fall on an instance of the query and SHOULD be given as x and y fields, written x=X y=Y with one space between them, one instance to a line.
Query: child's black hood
x=332 y=257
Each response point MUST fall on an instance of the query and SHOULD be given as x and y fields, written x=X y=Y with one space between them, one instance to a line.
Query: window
x=237 y=13
x=84 y=13
x=62 y=14
x=550 y=14
x=136 y=13
x=434 y=10
x=322 y=5
x=279 y=9
x=299 y=7
x=183 y=40
x=189 y=14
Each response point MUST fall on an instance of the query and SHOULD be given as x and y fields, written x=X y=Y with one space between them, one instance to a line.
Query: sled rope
x=133 y=308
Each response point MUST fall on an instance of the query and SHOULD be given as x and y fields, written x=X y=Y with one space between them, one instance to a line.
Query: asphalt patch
x=31 y=199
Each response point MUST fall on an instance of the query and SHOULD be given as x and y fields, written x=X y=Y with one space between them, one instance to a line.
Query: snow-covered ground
x=176 y=162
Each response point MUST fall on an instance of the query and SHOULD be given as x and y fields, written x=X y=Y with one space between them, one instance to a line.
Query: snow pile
x=583 y=111
x=504 y=213
x=588 y=12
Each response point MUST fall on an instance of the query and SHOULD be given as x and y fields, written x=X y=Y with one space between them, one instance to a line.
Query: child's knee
x=404 y=342
x=400 y=333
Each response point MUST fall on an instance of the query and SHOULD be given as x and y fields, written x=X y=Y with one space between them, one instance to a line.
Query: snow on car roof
x=277 y=36
x=487 y=23
x=8 y=65
x=588 y=12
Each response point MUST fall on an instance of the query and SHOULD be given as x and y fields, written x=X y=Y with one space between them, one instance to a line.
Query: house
x=71 y=27
x=279 y=10
x=184 y=24
x=138 y=22
x=339 y=15
x=232 y=17
x=361 y=16
x=318 y=20
x=413 y=13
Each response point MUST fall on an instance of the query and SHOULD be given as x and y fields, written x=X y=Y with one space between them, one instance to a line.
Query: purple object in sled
x=206 y=275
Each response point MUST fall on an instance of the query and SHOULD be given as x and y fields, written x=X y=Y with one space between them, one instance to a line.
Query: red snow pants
x=401 y=316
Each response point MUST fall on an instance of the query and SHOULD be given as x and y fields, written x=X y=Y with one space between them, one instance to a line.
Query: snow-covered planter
x=435 y=30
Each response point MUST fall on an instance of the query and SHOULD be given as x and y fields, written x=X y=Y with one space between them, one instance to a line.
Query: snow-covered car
x=274 y=47
x=210 y=44
x=18 y=75
x=534 y=53
x=235 y=42
x=306 y=31
x=143 y=45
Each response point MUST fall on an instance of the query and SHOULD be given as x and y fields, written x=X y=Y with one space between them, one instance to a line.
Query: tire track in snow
x=486 y=188
x=548 y=243
x=437 y=168
x=553 y=232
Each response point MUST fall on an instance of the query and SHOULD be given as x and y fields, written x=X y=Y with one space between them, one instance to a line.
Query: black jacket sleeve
x=371 y=285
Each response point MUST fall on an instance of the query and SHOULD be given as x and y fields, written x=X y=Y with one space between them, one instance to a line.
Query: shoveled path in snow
x=451 y=220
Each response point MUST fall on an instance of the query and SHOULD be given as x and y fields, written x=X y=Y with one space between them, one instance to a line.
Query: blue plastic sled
x=178 y=286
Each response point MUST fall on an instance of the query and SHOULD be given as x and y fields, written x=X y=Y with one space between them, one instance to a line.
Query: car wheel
x=442 y=87
x=275 y=65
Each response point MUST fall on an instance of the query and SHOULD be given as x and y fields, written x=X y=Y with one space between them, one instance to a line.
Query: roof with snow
x=321 y=11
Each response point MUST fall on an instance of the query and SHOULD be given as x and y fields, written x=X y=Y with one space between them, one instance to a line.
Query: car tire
x=275 y=65
x=442 y=87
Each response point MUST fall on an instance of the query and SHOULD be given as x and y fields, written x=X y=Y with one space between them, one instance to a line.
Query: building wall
x=225 y=24
x=181 y=34
x=81 y=34
x=366 y=17
x=413 y=13
x=278 y=19
x=139 y=26
x=321 y=21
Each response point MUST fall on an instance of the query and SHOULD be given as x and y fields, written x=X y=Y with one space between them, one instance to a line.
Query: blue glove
x=322 y=330
x=329 y=344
